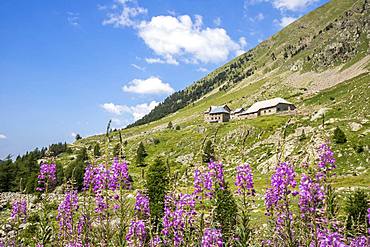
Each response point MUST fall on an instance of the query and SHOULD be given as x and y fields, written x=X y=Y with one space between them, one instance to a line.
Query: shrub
x=140 y=155
x=156 y=141
x=339 y=136
x=178 y=127
x=225 y=214
x=356 y=209
x=156 y=184
x=208 y=152
x=97 y=150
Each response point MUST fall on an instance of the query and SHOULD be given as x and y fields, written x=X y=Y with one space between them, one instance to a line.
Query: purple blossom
x=326 y=158
x=361 y=241
x=282 y=183
x=311 y=196
x=119 y=177
x=212 y=238
x=179 y=213
x=66 y=212
x=244 y=180
x=155 y=241
x=47 y=176
x=328 y=239
x=19 y=210
x=216 y=171
x=142 y=206
x=277 y=201
x=136 y=235
x=368 y=219
x=203 y=184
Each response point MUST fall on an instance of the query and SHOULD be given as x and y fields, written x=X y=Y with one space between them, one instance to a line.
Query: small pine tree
x=356 y=209
x=170 y=125
x=83 y=155
x=225 y=214
x=78 y=137
x=140 y=155
x=97 y=150
x=157 y=185
x=117 y=150
x=339 y=136
x=177 y=127
x=208 y=152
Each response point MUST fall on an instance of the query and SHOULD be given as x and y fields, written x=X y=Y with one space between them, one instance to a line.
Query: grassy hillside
x=319 y=62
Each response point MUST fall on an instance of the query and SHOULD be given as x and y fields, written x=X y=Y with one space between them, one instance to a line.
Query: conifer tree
x=78 y=137
x=339 y=136
x=157 y=185
x=208 y=152
x=117 y=150
x=225 y=214
x=97 y=150
x=140 y=155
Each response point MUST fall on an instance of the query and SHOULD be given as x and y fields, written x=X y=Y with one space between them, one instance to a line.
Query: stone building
x=217 y=114
x=267 y=107
x=235 y=114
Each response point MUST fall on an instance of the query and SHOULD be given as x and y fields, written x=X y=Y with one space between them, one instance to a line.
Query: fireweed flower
x=329 y=239
x=19 y=210
x=47 y=175
x=216 y=171
x=244 y=180
x=155 y=241
x=277 y=201
x=119 y=177
x=212 y=238
x=326 y=158
x=368 y=219
x=282 y=185
x=361 y=241
x=142 y=206
x=136 y=234
x=179 y=214
x=66 y=210
x=203 y=183
x=311 y=196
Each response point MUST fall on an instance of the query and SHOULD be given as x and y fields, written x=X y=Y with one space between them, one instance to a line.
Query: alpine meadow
x=269 y=149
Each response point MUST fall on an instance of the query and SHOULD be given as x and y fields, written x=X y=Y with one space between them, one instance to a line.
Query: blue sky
x=69 y=66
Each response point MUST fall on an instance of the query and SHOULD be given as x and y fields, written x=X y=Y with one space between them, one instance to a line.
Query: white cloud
x=115 y=109
x=202 y=69
x=174 y=38
x=137 y=111
x=137 y=67
x=141 y=110
x=2 y=136
x=242 y=42
x=73 y=19
x=124 y=14
x=168 y=60
x=292 y=5
x=285 y=21
x=152 y=85
x=73 y=134
x=217 y=21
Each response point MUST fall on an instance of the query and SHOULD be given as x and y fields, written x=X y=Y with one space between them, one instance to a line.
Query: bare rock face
x=355 y=126
x=319 y=114
x=185 y=159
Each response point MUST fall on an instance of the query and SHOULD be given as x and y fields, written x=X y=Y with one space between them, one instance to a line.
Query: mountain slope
x=320 y=62
x=331 y=35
